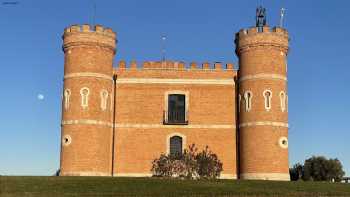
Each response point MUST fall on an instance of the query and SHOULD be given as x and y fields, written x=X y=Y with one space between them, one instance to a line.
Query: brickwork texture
x=114 y=120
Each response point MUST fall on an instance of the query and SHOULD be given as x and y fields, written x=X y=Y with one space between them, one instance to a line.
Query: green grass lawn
x=108 y=186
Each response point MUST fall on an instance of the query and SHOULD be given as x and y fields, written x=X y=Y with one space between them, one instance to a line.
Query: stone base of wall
x=222 y=176
x=84 y=173
x=265 y=176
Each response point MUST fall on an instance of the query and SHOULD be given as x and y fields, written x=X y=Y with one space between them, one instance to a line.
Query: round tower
x=87 y=111
x=263 y=113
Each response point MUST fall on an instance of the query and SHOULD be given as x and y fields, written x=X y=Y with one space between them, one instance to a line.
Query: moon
x=40 y=97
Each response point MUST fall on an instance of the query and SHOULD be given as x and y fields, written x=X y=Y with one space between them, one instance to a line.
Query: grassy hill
x=107 y=186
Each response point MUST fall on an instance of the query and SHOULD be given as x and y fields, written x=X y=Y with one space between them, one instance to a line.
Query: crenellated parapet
x=175 y=66
x=250 y=39
x=77 y=35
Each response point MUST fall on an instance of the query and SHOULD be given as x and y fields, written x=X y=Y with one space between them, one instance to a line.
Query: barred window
x=176 y=108
x=175 y=145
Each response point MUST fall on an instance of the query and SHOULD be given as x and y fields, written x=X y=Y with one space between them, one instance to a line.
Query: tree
x=296 y=172
x=318 y=168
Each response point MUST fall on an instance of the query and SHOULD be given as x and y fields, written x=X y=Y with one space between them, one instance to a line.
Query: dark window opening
x=175 y=145
x=176 y=109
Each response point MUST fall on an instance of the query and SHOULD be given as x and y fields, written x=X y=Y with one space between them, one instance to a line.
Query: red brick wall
x=140 y=102
x=262 y=59
x=88 y=56
x=211 y=108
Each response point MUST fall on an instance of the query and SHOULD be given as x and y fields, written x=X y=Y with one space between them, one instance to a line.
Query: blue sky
x=197 y=30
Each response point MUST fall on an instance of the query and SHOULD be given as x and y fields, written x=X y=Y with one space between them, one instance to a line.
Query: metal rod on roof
x=163 y=52
x=283 y=11
x=94 y=14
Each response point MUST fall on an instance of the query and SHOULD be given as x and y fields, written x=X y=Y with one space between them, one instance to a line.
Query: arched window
x=248 y=95
x=175 y=145
x=84 y=92
x=239 y=102
x=104 y=98
x=283 y=100
x=67 y=94
x=267 y=95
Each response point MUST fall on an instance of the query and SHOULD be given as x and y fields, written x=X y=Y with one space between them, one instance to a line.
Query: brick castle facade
x=116 y=121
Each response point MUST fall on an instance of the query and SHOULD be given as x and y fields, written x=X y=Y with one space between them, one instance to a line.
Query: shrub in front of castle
x=318 y=168
x=190 y=164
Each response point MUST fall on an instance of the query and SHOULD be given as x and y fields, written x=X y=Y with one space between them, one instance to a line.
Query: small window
x=104 y=98
x=67 y=94
x=283 y=142
x=267 y=96
x=175 y=145
x=283 y=101
x=66 y=140
x=248 y=100
x=84 y=92
x=176 y=113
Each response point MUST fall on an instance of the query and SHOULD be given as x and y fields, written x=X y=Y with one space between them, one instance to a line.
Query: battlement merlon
x=76 y=35
x=174 y=70
x=251 y=38
x=175 y=66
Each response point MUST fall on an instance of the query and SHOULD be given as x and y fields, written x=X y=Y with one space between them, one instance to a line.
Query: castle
x=117 y=120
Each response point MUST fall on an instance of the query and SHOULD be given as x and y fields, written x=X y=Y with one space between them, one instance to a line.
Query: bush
x=322 y=169
x=296 y=172
x=209 y=166
x=189 y=164
x=318 y=168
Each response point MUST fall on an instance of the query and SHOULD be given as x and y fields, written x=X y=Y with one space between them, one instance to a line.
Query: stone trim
x=87 y=122
x=222 y=176
x=228 y=176
x=264 y=123
x=266 y=176
x=239 y=102
x=263 y=76
x=248 y=96
x=66 y=140
x=267 y=100
x=166 y=102
x=84 y=173
x=191 y=126
x=146 y=126
x=132 y=174
x=283 y=142
x=283 y=101
x=196 y=69
x=176 y=81
x=84 y=97
x=184 y=145
x=88 y=74
x=66 y=96
x=103 y=98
